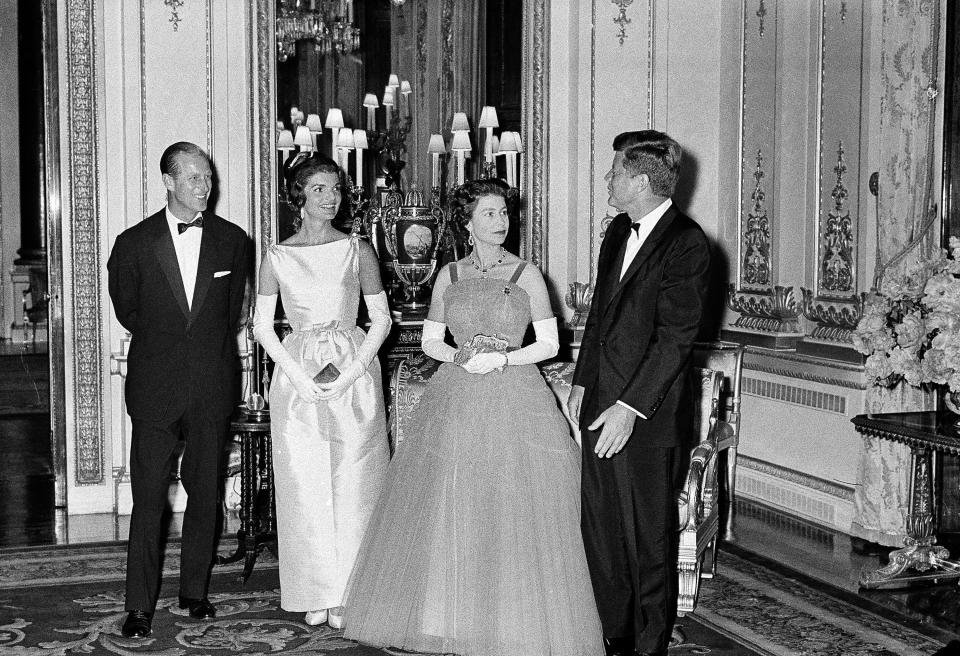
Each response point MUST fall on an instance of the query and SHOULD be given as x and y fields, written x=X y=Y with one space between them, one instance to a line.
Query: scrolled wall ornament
x=836 y=265
x=621 y=20
x=174 y=16
x=775 y=310
x=761 y=14
x=836 y=319
x=756 y=237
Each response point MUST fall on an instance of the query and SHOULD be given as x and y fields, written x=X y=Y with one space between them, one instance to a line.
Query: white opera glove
x=546 y=346
x=380 y=325
x=264 y=333
x=432 y=342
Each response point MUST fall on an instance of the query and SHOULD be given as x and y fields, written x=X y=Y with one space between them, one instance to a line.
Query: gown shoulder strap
x=454 y=272
x=516 y=274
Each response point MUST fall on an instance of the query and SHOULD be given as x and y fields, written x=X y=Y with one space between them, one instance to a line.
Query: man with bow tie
x=177 y=281
x=628 y=392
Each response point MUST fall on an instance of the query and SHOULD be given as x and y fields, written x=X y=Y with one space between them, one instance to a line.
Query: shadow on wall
x=719 y=262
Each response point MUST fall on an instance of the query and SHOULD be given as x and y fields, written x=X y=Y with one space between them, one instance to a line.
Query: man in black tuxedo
x=177 y=280
x=627 y=389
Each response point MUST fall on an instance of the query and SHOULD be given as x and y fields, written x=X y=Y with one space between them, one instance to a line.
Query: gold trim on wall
x=84 y=231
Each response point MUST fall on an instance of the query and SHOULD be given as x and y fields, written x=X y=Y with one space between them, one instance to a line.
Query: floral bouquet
x=910 y=329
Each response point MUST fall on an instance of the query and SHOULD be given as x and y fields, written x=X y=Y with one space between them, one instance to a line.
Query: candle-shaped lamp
x=285 y=144
x=315 y=125
x=436 y=148
x=371 y=103
x=460 y=146
x=508 y=146
x=460 y=123
x=360 y=143
x=393 y=81
x=405 y=91
x=303 y=139
x=344 y=145
x=388 y=104
x=488 y=121
x=334 y=122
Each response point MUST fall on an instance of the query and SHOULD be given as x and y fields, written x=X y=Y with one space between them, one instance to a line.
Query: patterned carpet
x=69 y=600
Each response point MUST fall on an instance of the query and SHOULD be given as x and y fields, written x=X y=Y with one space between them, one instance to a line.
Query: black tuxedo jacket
x=178 y=351
x=640 y=329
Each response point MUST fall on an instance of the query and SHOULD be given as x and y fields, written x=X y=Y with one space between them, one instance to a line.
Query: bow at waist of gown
x=338 y=325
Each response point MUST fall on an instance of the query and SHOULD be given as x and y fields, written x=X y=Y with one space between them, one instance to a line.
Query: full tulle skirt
x=474 y=547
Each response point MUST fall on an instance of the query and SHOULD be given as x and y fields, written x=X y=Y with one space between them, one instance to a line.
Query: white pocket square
x=220 y=274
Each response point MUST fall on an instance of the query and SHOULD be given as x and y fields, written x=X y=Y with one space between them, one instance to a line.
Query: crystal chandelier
x=328 y=23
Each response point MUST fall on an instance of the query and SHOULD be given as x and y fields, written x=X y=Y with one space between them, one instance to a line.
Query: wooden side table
x=258 y=526
x=925 y=433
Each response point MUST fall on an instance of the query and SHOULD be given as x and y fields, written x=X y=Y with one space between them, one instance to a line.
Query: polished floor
x=829 y=559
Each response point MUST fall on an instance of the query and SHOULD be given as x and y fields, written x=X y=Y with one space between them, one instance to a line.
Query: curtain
x=906 y=232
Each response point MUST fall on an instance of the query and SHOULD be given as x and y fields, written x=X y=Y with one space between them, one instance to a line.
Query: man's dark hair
x=652 y=153
x=169 y=161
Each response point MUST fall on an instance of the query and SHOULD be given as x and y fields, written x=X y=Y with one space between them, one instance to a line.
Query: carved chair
x=696 y=502
x=726 y=357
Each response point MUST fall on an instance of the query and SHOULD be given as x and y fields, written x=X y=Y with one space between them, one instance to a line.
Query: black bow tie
x=636 y=228
x=196 y=223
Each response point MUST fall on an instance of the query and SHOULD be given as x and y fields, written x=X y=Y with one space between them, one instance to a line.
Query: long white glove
x=380 y=324
x=431 y=341
x=264 y=333
x=546 y=346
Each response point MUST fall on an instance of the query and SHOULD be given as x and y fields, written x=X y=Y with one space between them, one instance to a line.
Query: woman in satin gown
x=330 y=448
x=475 y=547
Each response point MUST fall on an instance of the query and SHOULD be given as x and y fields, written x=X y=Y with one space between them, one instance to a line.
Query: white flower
x=910 y=331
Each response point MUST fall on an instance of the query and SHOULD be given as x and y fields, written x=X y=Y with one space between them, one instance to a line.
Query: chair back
x=725 y=357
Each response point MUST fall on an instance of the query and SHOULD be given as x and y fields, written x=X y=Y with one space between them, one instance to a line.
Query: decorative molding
x=84 y=232
x=804 y=367
x=621 y=20
x=761 y=14
x=593 y=139
x=773 y=311
x=837 y=490
x=795 y=395
x=174 y=16
x=756 y=237
x=537 y=138
x=264 y=117
x=836 y=318
x=836 y=244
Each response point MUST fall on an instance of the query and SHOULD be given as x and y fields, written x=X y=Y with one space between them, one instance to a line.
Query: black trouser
x=153 y=447
x=629 y=522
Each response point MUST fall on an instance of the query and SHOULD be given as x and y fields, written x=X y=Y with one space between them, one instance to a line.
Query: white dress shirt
x=187 y=246
x=647 y=223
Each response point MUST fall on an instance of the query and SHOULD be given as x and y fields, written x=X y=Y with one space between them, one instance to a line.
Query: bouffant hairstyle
x=465 y=198
x=301 y=171
x=653 y=153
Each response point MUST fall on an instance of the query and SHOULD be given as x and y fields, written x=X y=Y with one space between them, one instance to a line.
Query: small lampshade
x=334 y=118
x=405 y=87
x=488 y=117
x=461 y=140
x=345 y=138
x=302 y=138
x=508 y=142
x=460 y=123
x=495 y=144
x=388 y=98
x=285 y=140
x=436 y=144
x=394 y=81
x=314 y=124
x=360 y=139
x=370 y=100
x=516 y=135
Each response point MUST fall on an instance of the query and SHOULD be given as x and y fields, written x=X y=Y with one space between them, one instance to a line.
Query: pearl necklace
x=475 y=259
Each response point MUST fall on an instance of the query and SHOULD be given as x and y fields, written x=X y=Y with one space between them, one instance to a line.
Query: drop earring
x=470 y=239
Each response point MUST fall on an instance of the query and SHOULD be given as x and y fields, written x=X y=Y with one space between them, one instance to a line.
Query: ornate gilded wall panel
x=759 y=97
x=839 y=145
x=84 y=236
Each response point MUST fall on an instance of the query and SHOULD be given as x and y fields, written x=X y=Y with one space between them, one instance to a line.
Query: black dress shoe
x=200 y=609
x=619 y=646
x=137 y=624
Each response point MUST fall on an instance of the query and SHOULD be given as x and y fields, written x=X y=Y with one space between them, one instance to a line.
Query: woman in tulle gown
x=474 y=547
x=330 y=449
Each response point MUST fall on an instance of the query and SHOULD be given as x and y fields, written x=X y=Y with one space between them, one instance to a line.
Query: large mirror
x=447 y=57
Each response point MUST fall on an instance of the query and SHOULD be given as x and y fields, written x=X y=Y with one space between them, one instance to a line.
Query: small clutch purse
x=327 y=375
x=480 y=344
